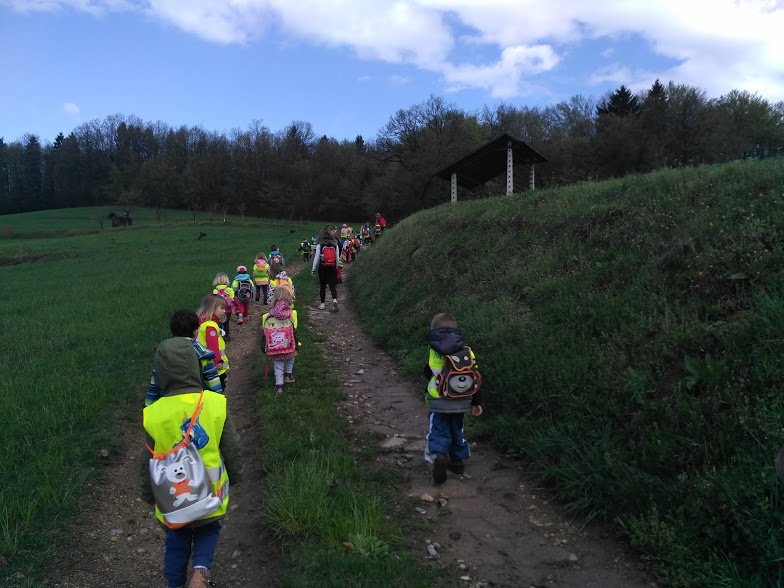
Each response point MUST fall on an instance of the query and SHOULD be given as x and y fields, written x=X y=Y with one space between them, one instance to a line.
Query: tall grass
x=79 y=329
x=630 y=335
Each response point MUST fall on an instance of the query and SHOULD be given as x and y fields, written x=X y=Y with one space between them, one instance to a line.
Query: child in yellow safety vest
x=220 y=286
x=261 y=275
x=280 y=279
x=211 y=312
x=279 y=332
x=210 y=430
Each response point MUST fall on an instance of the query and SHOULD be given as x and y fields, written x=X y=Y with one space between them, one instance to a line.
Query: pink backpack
x=225 y=295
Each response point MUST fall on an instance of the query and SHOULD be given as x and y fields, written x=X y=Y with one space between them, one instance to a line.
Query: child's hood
x=239 y=277
x=177 y=367
x=261 y=263
x=281 y=310
x=445 y=340
x=282 y=276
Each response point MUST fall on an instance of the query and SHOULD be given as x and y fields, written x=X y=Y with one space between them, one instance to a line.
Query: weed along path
x=490 y=527
x=120 y=543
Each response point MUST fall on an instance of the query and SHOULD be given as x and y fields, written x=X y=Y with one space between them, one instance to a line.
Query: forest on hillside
x=292 y=173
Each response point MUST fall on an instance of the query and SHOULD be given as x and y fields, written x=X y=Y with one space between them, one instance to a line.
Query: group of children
x=188 y=460
x=192 y=446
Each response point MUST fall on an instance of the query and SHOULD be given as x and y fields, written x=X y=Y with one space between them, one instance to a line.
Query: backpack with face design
x=460 y=377
x=180 y=483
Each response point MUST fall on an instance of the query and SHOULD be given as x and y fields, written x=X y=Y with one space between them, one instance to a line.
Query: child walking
x=243 y=293
x=449 y=396
x=279 y=330
x=218 y=445
x=280 y=279
x=276 y=256
x=220 y=286
x=306 y=249
x=261 y=275
x=211 y=312
x=185 y=324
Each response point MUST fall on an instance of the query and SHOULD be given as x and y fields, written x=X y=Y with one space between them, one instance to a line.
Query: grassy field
x=631 y=338
x=85 y=313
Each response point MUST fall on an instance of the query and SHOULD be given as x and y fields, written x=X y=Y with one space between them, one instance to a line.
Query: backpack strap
x=185 y=440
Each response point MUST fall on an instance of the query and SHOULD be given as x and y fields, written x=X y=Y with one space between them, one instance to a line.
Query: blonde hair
x=221 y=279
x=443 y=319
x=261 y=255
x=209 y=304
x=283 y=294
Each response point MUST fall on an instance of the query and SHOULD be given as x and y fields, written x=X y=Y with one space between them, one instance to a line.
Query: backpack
x=460 y=377
x=225 y=295
x=329 y=257
x=279 y=337
x=180 y=483
x=245 y=290
x=276 y=258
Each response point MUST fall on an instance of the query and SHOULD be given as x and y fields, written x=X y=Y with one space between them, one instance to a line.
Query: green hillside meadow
x=631 y=340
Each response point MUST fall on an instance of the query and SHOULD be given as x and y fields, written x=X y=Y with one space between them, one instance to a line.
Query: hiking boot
x=457 y=466
x=334 y=305
x=439 y=468
x=199 y=578
x=322 y=306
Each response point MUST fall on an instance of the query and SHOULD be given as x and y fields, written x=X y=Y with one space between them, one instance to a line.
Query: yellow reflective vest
x=162 y=422
x=221 y=343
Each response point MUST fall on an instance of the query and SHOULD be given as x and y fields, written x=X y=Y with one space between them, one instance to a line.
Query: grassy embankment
x=85 y=310
x=631 y=335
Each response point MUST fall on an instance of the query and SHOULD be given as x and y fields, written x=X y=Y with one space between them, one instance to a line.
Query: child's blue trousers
x=446 y=436
x=181 y=543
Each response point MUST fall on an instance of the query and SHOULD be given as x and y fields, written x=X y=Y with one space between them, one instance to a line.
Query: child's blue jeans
x=181 y=543
x=446 y=436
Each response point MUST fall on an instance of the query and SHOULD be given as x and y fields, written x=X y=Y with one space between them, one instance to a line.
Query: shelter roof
x=489 y=161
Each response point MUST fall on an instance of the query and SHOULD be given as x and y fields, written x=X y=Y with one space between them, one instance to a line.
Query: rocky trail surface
x=491 y=526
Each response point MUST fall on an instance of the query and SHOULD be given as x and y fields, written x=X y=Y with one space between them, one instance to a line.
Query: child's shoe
x=457 y=466
x=199 y=578
x=240 y=320
x=279 y=389
x=439 y=468
x=288 y=378
x=334 y=305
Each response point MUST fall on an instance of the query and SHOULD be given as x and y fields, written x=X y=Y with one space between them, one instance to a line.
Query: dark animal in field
x=201 y=235
x=292 y=230
x=120 y=219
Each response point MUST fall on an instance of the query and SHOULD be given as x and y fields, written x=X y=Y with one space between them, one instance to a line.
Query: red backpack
x=329 y=256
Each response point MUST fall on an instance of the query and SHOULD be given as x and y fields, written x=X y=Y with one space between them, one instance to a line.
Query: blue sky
x=346 y=66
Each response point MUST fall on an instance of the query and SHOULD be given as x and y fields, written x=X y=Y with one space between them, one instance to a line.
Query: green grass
x=83 y=317
x=325 y=501
x=630 y=334
x=88 y=308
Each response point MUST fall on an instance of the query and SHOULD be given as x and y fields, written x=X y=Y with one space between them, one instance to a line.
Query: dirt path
x=120 y=543
x=493 y=525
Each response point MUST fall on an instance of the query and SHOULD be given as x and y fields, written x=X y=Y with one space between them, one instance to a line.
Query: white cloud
x=720 y=44
x=72 y=110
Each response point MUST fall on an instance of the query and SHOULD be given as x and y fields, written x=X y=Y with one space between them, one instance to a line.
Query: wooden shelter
x=488 y=162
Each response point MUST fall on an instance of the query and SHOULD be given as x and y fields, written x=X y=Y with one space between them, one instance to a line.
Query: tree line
x=124 y=161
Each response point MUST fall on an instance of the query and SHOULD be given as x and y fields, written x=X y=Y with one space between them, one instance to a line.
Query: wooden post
x=509 y=169
x=454 y=186
x=531 y=176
